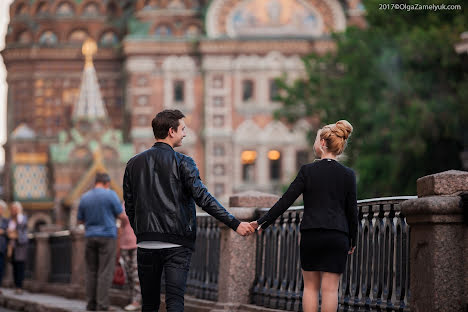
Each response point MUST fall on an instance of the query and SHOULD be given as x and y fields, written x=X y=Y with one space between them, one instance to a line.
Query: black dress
x=329 y=223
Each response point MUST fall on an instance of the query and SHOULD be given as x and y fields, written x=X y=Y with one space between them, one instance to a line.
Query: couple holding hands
x=162 y=186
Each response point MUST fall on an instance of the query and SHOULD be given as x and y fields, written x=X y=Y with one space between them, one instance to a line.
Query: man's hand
x=245 y=229
x=254 y=224
x=351 y=251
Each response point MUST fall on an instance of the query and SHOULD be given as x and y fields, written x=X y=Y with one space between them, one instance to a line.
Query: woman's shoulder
x=348 y=171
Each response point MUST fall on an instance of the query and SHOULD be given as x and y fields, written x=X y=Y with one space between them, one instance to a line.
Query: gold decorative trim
x=38 y=205
x=30 y=158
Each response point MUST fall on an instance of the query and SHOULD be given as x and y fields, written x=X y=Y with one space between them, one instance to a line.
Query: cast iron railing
x=377 y=274
x=30 y=263
x=203 y=275
x=60 y=257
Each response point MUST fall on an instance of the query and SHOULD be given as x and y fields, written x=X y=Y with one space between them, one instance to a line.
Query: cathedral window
x=24 y=37
x=248 y=158
x=150 y=4
x=91 y=9
x=179 y=87
x=218 y=101
x=42 y=8
x=247 y=90
x=275 y=164
x=273 y=90
x=21 y=9
x=163 y=31
x=78 y=36
x=219 y=170
x=48 y=38
x=218 y=150
x=142 y=100
x=192 y=31
x=65 y=9
x=109 y=38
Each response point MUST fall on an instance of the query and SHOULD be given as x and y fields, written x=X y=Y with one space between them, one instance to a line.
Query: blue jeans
x=176 y=263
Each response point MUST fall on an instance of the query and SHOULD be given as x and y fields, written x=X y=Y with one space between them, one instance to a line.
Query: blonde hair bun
x=343 y=129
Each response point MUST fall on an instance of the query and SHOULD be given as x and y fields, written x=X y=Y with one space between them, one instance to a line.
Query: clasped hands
x=248 y=228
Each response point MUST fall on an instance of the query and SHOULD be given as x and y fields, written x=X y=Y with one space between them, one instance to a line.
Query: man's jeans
x=100 y=265
x=176 y=263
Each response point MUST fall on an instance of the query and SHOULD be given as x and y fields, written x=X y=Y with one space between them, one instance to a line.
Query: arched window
x=48 y=38
x=248 y=158
x=176 y=5
x=65 y=9
x=21 y=9
x=150 y=4
x=163 y=31
x=42 y=8
x=109 y=38
x=192 y=31
x=78 y=36
x=91 y=9
x=275 y=164
x=24 y=37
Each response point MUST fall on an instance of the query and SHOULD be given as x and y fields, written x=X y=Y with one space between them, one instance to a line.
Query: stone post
x=237 y=255
x=42 y=260
x=437 y=242
x=78 y=265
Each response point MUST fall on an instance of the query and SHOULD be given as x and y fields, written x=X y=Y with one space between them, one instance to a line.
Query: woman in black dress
x=329 y=224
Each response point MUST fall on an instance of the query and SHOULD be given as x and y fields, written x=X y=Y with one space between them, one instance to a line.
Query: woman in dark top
x=329 y=224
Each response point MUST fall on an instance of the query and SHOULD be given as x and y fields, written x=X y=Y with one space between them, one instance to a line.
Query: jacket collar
x=163 y=146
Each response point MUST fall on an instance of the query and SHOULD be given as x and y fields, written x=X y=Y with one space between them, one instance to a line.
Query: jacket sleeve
x=128 y=198
x=294 y=190
x=190 y=177
x=351 y=209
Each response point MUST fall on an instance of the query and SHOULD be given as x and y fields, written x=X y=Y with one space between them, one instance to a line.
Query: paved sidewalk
x=37 y=302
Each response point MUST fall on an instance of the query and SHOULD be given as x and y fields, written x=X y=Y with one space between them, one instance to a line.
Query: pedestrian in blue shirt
x=98 y=210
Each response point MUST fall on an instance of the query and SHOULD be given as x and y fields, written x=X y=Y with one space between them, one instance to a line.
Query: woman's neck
x=328 y=156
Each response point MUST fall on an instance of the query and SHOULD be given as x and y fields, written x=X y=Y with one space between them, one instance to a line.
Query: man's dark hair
x=164 y=121
x=102 y=177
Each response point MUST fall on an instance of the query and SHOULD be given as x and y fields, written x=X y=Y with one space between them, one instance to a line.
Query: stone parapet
x=451 y=182
x=237 y=254
x=438 y=243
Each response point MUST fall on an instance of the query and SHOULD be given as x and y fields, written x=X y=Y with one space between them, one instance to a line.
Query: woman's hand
x=254 y=224
x=351 y=251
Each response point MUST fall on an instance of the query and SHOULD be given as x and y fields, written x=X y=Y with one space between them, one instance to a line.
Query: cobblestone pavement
x=35 y=302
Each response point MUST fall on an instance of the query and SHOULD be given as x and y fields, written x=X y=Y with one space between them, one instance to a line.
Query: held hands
x=254 y=224
x=245 y=229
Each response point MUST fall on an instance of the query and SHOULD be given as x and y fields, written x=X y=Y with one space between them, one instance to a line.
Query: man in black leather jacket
x=161 y=187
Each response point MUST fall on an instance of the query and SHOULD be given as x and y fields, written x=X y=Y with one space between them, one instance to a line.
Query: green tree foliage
x=401 y=84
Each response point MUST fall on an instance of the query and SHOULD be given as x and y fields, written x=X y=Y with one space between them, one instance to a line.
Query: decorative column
x=237 y=255
x=438 y=238
x=42 y=260
x=78 y=266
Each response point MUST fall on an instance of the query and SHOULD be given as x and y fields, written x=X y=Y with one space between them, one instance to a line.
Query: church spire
x=90 y=105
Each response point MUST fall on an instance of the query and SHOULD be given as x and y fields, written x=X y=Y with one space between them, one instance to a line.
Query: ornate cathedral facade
x=215 y=60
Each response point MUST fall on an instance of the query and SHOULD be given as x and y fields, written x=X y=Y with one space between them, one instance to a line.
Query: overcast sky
x=4 y=10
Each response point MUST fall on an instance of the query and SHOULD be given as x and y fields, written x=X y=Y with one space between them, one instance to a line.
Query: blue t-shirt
x=98 y=209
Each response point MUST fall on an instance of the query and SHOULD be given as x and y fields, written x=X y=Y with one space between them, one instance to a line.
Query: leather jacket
x=161 y=187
